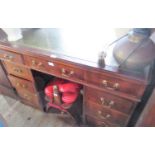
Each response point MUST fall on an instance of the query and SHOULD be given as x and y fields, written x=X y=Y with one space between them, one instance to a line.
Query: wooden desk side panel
x=3 y=77
x=147 y=118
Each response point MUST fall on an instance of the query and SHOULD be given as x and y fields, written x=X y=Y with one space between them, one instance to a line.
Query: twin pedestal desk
x=110 y=95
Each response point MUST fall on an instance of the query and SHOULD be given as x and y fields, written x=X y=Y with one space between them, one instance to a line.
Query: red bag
x=69 y=90
x=49 y=88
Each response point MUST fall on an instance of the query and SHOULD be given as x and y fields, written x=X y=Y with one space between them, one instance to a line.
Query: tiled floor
x=17 y=114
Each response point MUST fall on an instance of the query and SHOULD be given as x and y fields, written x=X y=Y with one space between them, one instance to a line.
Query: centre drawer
x=55 y=68
x=19 y=83
x=18 y=70
x=11 y=56
x=109 y=101
x=114 y=83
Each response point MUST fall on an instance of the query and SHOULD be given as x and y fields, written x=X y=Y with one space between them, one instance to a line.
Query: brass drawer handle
x=111 y=103
x=18 y=70
x=104 y=124
x=105 y=83
x=40 y=64
x=107 y=116
x=22 y=85
x=27 y=97
x=34 y=63
x=106 y=103
x=9 y=57
x=115 y=86
x=66 y=73
x=17 y=84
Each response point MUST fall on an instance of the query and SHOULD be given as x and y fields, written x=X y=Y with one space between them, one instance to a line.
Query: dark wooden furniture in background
x=110 y=95
x=147 y=117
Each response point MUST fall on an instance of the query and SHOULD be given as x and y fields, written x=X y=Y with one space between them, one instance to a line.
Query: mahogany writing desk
x=110 y=94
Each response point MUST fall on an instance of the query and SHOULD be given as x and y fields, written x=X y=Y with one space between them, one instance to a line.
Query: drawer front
x=70 y=72
x=22 y=84
x=113 y=83
x=105 y=114
x=92 y=121
x=18 y=70
x=8 y=92
x=10 y=56
x=32 y=99
x=109 y=101
x=31 y=104
x=55 y=68
x=38 y=64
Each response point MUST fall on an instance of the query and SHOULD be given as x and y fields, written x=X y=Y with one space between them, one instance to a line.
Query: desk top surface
x=82 y=44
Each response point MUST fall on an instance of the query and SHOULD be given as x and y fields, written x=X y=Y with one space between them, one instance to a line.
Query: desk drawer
x=38 y=106
x=38 y=64
x=113 y=83
x=22 y=84
x=10 y=56
x=109 y=101
x=32 y=99
x=55 y=68
x=18 y=70
x=105 y=114
x=92 y=121
x=71 y=72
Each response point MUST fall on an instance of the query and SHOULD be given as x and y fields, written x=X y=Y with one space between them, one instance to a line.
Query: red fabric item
x=49 y=88
x=69 y=98
x=69 y=87
x=69 y=92
x=49 y=91
x=56 y=106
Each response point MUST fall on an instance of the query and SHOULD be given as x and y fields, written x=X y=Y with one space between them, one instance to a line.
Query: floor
x=17 y=114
